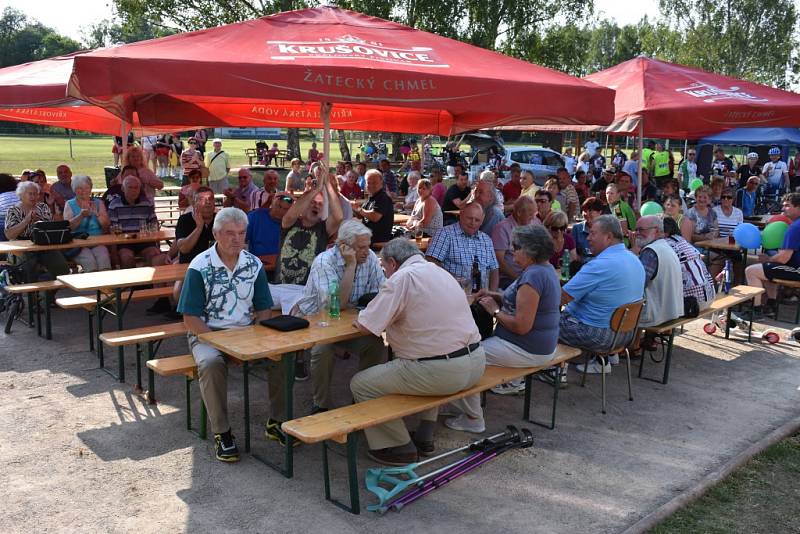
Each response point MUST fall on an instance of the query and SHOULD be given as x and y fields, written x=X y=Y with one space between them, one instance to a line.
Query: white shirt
x=591 y=147
x=774 y=172
x=569 y=164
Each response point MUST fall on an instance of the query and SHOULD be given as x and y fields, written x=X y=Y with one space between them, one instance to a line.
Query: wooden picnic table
x=401 y=219
x=113 y=282
x=21 y=246
x=251 y=344
x=723 y=244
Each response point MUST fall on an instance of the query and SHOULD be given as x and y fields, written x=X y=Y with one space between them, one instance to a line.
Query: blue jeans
x=589 y=338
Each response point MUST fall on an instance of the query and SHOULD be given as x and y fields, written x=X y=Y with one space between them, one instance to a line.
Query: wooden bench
x=152 y=336
x=791 y=285
x=182 y=365
x=722 y=302
x=32 y=291
x=340 y=425
x=89 y=303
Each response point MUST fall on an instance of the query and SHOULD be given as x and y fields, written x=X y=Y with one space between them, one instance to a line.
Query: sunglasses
x=515 y=246
x=728 y=197
x=557 y=228
x=692 y=154
x=287 y=199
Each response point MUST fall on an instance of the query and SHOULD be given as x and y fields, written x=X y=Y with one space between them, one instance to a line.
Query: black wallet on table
x=285 y=323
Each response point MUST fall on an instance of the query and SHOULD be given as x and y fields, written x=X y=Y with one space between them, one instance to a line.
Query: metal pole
x=69 y=133
x=641 y=163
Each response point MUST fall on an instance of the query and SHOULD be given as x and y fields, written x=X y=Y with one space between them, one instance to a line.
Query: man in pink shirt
x=435 y=353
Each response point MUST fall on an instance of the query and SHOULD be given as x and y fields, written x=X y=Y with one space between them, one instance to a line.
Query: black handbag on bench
x=51 y=233
x=285 y=323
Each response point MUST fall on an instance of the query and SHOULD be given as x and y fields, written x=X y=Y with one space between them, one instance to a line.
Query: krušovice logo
x=710 y=93
x=351 y=47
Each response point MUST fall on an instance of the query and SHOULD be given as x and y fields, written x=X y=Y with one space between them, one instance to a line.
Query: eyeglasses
x=643 y=230
x=557 y=228
x=726 y=197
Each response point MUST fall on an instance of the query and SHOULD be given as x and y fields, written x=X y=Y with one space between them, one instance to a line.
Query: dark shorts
x=781 y=272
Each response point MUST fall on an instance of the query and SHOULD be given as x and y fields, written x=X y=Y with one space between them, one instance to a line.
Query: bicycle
x=12 y=305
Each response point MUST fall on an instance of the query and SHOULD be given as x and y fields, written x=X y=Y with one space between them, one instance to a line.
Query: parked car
x=542 y=161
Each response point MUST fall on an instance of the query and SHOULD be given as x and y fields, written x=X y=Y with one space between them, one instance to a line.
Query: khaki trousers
x=369 y=349
x=213 y=380
x=414 y=377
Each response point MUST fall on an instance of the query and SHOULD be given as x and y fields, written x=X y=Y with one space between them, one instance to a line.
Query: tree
x=752 y=39
x=23 y=40
x=108 y=32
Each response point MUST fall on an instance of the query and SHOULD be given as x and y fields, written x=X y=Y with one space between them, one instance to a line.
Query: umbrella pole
x=69 y=133
x=325 y=112
x=641 y=163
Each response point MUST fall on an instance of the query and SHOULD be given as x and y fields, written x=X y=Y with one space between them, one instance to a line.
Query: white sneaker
x=613 y=359
x=465 y=424
x=513 y=387
x=594 y=367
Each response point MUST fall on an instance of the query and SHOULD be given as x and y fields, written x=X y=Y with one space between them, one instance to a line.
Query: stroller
x=12 y=305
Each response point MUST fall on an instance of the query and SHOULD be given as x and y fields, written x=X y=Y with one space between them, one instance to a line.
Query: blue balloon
x=747 y=236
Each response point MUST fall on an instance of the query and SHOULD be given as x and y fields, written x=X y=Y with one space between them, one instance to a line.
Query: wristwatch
x=496 y=312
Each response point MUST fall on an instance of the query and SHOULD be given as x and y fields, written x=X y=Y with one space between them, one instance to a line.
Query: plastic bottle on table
x=334 y=309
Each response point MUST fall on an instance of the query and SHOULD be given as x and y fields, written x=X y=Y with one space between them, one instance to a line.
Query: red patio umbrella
x=660 y=99
x=330 y=55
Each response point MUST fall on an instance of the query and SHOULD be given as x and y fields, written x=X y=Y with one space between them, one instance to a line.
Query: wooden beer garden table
x=21 y=246
x=723 y=244
x=423 y=245
x=252 y=344
x=105 y=283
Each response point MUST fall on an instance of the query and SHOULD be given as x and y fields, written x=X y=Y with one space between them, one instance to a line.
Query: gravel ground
x=81 y=452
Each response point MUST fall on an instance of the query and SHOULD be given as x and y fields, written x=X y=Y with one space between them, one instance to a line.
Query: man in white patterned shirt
x=357 y=272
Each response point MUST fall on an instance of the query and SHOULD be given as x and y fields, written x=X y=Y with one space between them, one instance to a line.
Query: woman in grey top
x=427 y=214
x=527 y=315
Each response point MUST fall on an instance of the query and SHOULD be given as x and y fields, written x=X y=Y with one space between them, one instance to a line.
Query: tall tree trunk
x=343 y=147
x=397 y=139
x=293 y=143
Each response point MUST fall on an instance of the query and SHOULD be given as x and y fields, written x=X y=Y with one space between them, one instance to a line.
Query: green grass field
x=762 y=496
x=91 y=154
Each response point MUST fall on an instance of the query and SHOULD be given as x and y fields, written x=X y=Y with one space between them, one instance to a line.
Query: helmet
x=774 y=151
x=752 y=155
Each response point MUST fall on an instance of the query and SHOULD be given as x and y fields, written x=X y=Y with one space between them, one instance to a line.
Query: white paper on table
x=286 y=296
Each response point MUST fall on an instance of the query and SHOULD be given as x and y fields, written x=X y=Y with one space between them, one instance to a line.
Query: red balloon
x=780 y=217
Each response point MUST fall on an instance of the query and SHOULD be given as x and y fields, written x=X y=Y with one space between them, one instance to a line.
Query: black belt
x=455 y=354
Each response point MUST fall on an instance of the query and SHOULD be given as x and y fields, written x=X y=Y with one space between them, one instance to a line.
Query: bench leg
x=48 y=323
x=151 y=386
x=120 y=349
x=728 y=323
x=528 y=397
x=38 y=313
x=30 y=310
x=91 y=331
x=99 y=316
x=603 y=360
x=246 y=383
x=188 y=404
x=352 y=475
x=203 y=419
x=668 y=359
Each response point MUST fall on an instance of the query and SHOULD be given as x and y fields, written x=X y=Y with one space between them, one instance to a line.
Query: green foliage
x=23 y=40
x=752 y=39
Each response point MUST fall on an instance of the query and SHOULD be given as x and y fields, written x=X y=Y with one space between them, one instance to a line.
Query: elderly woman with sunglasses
x=556 y=224
x=527 y=315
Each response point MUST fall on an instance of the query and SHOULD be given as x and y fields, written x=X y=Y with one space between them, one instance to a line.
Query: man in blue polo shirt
x=264 y=229
x=615 y=277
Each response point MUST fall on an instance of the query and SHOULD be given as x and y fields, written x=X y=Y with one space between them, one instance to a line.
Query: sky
x=70 y=18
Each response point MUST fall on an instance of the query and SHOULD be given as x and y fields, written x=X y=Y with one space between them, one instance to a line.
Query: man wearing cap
x=219 y=165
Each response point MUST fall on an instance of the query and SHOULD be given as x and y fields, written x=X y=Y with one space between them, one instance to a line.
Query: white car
x=541 y=161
